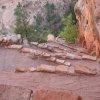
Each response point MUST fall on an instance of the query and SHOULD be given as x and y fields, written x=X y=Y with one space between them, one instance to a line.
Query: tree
x=69 y=31
x=22 y=24
x=72 y=11
x=39 y=27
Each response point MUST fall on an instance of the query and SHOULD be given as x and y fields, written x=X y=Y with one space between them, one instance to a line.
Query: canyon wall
x=88 y=20
x=7 y=17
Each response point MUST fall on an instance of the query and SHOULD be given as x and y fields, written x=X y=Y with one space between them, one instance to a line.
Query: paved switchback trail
x=86 y=86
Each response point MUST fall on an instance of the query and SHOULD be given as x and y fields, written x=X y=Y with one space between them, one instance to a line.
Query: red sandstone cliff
x=88 y=18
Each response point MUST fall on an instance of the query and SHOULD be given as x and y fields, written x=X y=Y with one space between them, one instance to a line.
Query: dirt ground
x=86 y=86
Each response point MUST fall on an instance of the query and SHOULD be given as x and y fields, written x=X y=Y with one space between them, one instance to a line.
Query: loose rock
x=34 y=43
x=21 y=69
x=50 y=38
x=27 y=50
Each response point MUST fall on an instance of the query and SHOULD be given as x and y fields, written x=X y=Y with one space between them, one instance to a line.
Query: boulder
x=50 y=38
x=21 y=69
x=8 y=39
x=13 y=38
x=27 y=50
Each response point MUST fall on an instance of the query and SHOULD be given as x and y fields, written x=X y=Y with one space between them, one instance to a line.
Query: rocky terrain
x=54 y=70
x=88 y=16
x=7 y=17
x=54 y=67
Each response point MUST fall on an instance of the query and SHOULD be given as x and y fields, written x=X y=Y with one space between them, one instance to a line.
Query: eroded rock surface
x=88 y=16
x=55 y=95
x=14 y=93
x=8 y=92
x=33 y=7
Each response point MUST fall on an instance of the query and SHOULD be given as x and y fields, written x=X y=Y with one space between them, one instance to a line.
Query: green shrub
x=54 y=24
x=37 y=37
x=69 y=31
x=32 y=33
x=72 y=3
x=22 y=24
x=38 y=26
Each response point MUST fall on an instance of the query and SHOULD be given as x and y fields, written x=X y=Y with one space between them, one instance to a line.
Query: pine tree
x=22 y=24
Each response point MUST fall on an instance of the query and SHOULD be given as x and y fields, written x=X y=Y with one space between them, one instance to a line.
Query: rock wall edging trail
x=87 y=14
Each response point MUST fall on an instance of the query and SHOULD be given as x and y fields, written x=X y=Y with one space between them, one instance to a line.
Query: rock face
x=33 y=7
x=88 y=17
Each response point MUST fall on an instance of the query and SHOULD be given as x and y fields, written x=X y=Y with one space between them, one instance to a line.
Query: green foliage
x=28 y=31
x=22 y=24
x=36 y=37
x=38 y=27
x=53 y=19
x=72 y=11
x=69 y=31
x=54 y=24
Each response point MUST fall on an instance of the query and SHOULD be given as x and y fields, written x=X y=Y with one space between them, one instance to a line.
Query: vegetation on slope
x=54 y=24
